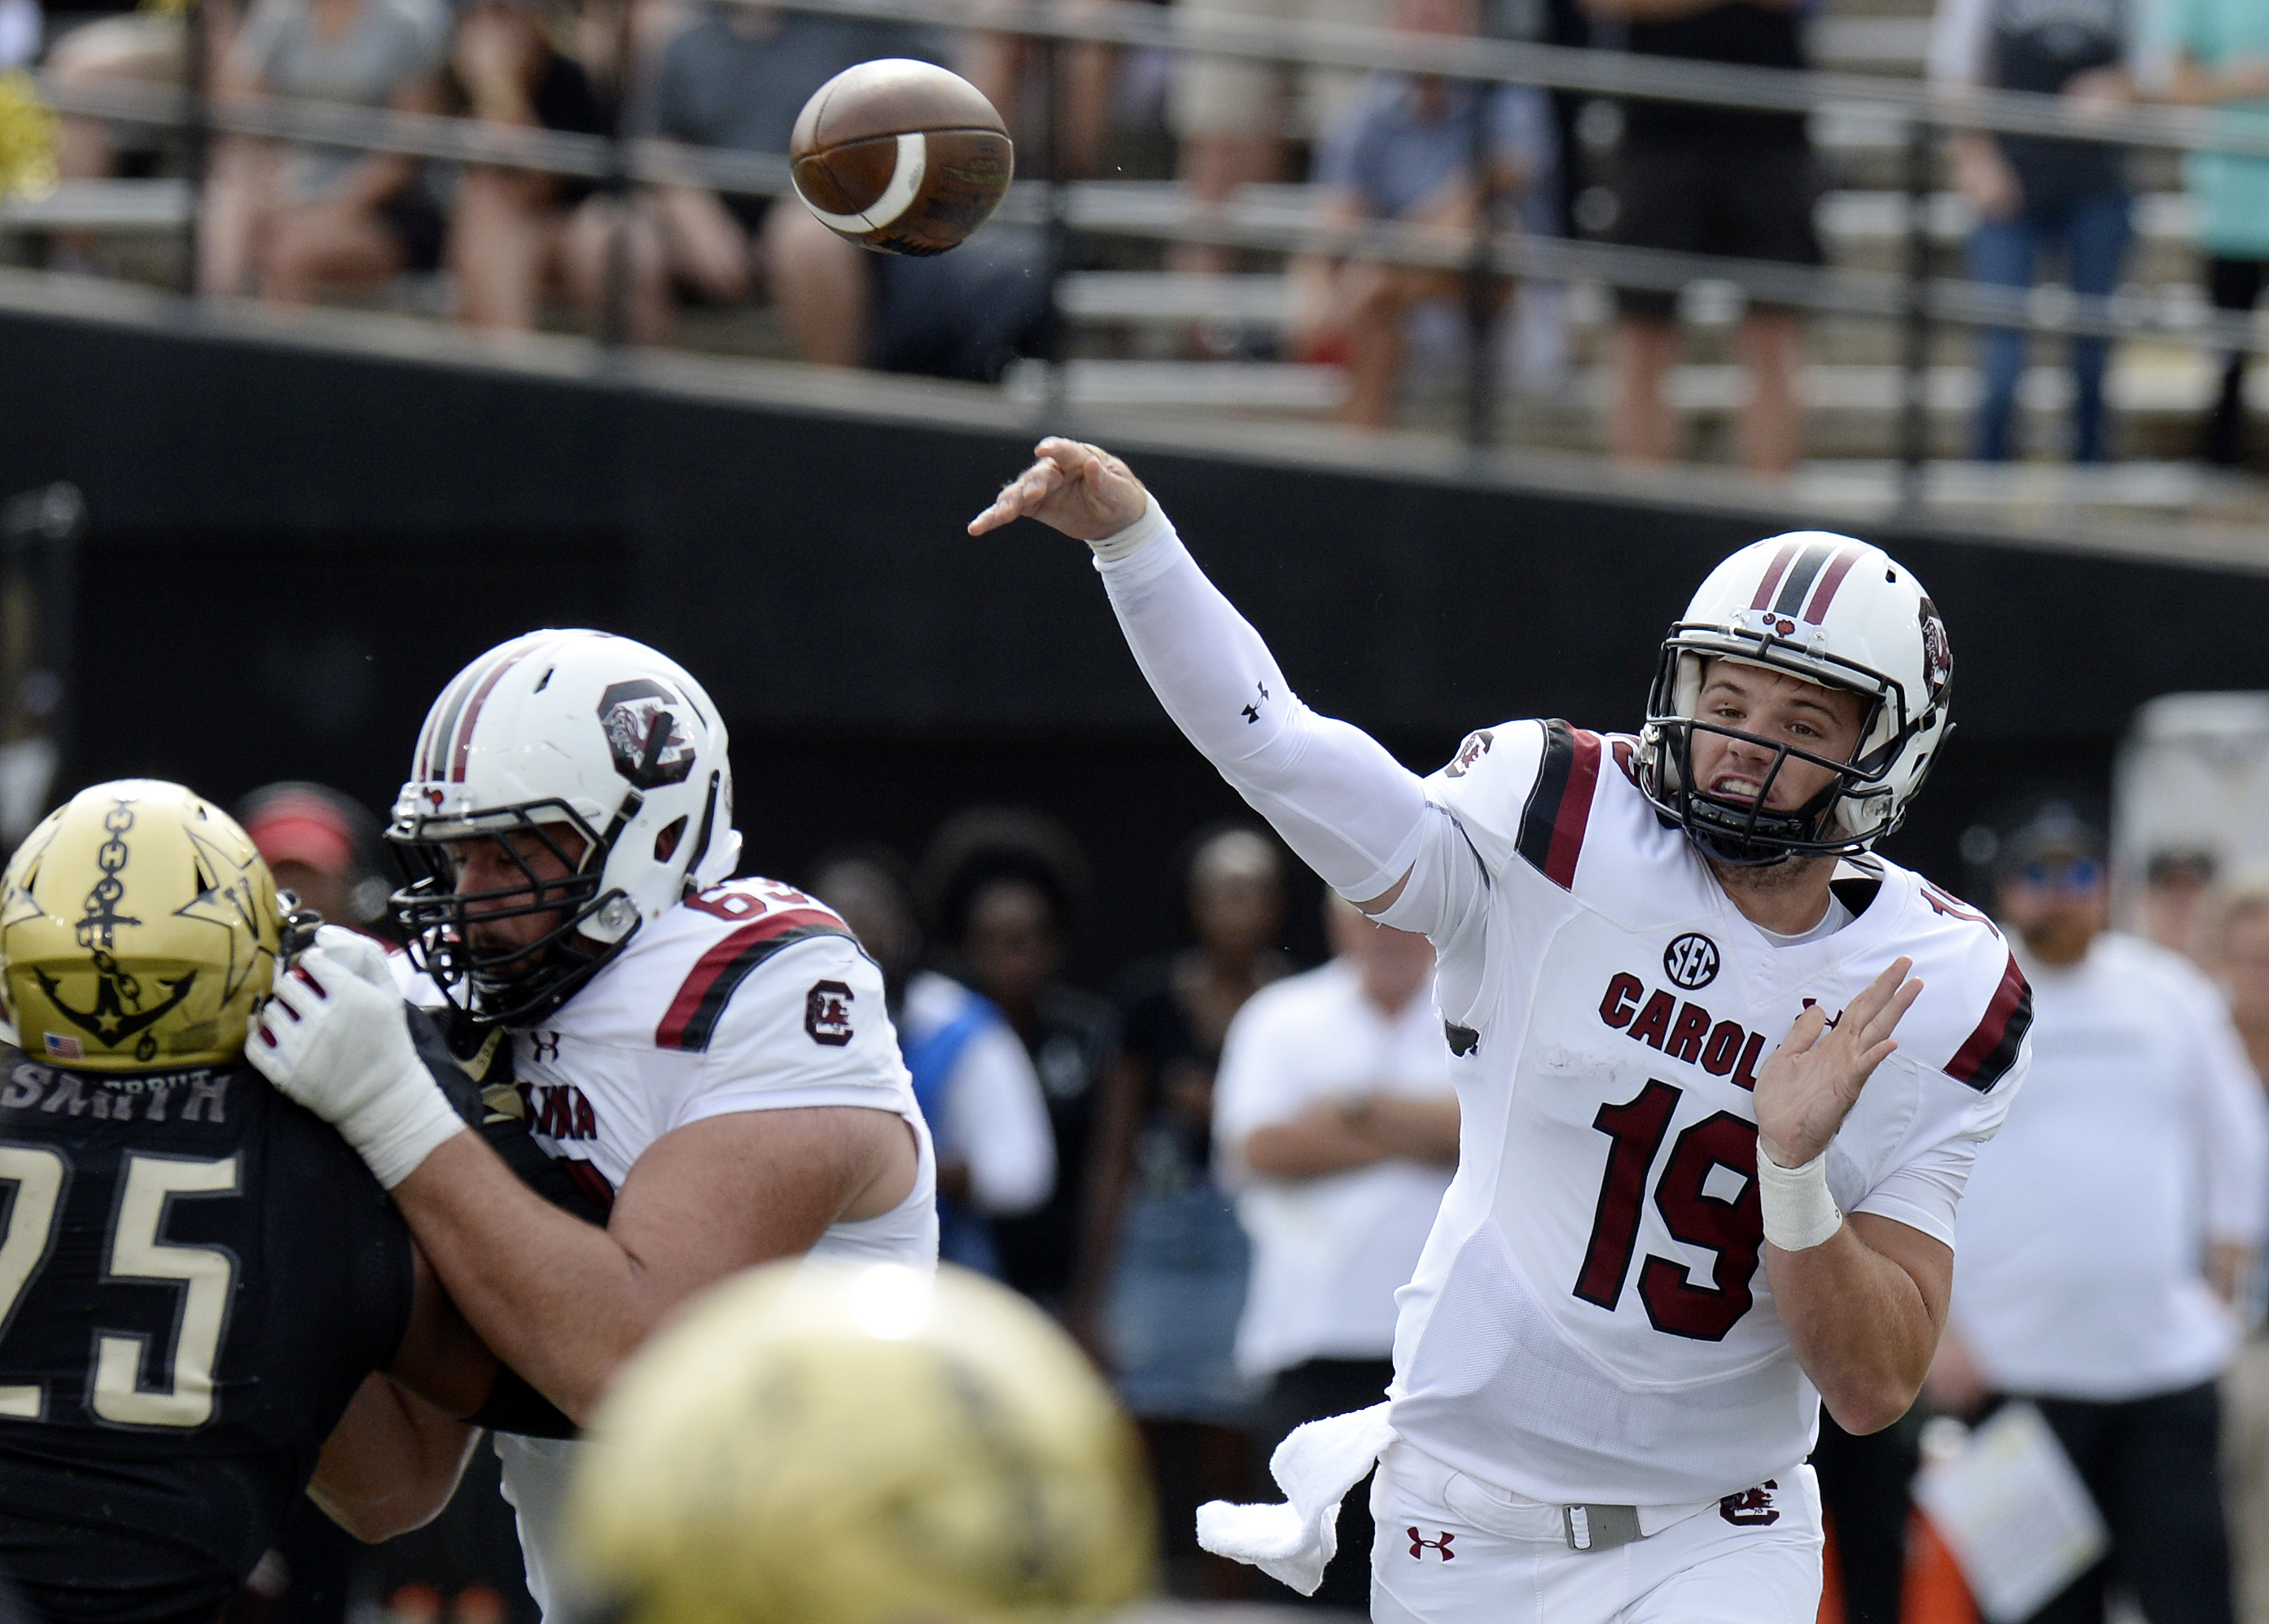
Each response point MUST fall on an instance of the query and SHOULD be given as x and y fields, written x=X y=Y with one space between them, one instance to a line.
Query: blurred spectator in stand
x=1403 y=151
x=2033 y=192
x=2177 y=907
x=2104 y=1239
x=976 y=1086
x=320 y=844
x=21 y=24
x=1232 y=119
x=285 y=220
x=2220 y=50
x=147 y=46
x=2241 y=958
x=1008 y=886
x=737 y=78
x=2240 y=940
x=1702 y=180
x=509 y=227
x=1335 y=1124
x=1012 y=72
x=1162 y=1280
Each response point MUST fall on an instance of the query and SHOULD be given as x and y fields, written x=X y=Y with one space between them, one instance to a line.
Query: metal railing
x=1912 y=298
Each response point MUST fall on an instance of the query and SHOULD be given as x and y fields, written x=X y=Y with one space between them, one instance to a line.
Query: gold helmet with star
x=138 y=932
x=837 y=1442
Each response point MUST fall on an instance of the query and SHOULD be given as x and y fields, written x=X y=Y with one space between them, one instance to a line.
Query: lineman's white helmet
x=560 y=731
x=1831 y=611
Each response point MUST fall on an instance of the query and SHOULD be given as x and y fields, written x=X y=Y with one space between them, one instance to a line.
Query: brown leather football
x=900 y=156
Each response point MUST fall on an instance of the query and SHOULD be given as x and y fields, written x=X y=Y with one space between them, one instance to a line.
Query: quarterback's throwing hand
x=1078 y=489
x=1813 y=1079
x=338 y=1043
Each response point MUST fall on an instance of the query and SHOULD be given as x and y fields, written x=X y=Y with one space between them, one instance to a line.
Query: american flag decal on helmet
x=1802 y=567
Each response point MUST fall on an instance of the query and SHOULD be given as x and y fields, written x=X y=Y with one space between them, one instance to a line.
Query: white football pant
x=1754 y=1559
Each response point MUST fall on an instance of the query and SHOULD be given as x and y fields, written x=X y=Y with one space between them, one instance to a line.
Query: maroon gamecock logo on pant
x=1419 y=1547
x=1752 y=1508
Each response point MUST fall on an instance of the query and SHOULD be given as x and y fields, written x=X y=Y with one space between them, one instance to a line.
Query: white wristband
x=1799 y=1212
x=1148 y=528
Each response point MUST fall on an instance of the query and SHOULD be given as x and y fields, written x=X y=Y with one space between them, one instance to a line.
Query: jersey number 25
x=132 y=1252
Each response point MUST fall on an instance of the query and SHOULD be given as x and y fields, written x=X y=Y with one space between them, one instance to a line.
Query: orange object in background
x=1935 y=1592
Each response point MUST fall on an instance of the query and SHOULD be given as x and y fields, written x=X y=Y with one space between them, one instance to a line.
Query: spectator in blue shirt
x=2220 y=52
x=1404 y=152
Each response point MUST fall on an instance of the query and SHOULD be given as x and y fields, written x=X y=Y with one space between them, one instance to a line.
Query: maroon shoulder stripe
x=1559 y=804
x=1824 y=593
x=1991 y=1050
x=692 y=1018
x=1773 y=575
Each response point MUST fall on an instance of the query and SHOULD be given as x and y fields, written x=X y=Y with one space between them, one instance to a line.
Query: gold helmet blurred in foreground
x=837 y=1444
x=138 y=930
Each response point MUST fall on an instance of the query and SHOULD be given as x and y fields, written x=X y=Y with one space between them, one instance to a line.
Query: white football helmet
x=554 y=731
x=1831 y=611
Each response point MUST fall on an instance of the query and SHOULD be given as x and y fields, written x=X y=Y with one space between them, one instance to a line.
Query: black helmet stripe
x=1798 y=581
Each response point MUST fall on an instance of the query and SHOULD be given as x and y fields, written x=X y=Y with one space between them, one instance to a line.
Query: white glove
x=367 y=957
x=337 y=1041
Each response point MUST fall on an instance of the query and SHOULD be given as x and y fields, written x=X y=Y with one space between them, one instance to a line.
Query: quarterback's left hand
x=1813 y=1079
x=337 y=1044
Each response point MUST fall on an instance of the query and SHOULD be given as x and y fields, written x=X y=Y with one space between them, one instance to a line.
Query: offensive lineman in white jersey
x=1602 y=1401
x=709 y=1058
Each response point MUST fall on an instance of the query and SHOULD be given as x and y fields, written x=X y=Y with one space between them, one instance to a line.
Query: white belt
x=1581 y=1527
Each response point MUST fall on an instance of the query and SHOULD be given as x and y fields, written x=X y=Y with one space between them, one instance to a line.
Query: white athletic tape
x=897 y=196
x=1799 y=1213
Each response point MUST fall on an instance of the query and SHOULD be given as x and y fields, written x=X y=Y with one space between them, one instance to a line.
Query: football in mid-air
x=901 y=155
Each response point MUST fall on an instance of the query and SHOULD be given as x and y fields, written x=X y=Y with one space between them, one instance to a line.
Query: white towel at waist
x=1315 y=1466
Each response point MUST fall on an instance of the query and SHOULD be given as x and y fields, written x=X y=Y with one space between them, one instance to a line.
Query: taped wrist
x=1799 y=1212
x=399 y=1129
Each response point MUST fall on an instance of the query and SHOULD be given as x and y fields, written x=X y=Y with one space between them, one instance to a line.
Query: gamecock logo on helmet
x=1937 y=651
x=628 y=711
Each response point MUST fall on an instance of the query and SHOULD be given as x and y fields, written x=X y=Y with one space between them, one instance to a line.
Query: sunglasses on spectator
x=2078 y=874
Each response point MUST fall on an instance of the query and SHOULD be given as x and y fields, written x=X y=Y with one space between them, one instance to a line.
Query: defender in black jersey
x=197 y=1278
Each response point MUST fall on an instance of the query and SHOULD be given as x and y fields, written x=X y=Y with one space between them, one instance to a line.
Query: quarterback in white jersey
x=710 y=1058
x=1701 y=1187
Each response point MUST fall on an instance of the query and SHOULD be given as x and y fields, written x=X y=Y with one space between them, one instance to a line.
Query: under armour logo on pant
x=1419 y=1547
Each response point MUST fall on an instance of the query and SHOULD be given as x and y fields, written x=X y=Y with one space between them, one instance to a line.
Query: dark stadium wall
x=292 y=548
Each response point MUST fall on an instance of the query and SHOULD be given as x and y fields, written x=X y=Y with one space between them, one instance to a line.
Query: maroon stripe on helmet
x=1991 y=1050
x=1801 y=574
x=473 y=714
x=1824 y=593
x=1772 y=576
x=435 y=759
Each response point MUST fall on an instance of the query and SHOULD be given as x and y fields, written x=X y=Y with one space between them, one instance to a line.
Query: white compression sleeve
x=1352 y=812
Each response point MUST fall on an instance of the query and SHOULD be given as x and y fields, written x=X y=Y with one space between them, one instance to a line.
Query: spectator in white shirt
x=1336 y=1125
x=996 y=1157
x=2102 y=1239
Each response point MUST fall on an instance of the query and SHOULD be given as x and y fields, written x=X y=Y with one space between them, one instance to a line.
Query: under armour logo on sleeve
x=1419 y=1547
x=1253 y=710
